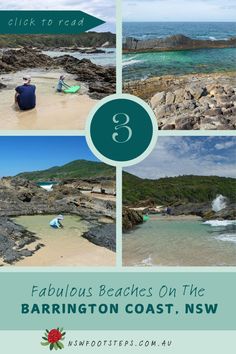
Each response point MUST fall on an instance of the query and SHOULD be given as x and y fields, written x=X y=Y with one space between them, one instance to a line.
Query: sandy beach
x=64 y=247
x=57 y=111
x=175 y=217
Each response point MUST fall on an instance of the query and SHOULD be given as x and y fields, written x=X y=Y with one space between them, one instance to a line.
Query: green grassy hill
x=86 y=39
x=171 y=190
x=76 y=169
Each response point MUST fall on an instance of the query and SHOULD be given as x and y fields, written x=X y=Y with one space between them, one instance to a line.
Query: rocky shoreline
x=173 y=43
x=190 y=102
x=101 y=81
x=204 y=210
x=130 y=219
x=13 y=241
x=21 y=197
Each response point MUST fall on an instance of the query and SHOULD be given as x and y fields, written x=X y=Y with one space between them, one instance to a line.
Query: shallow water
x=180 y=243
x=105 y=59
x=145 y=65
x=56 y=111
x=63 y=247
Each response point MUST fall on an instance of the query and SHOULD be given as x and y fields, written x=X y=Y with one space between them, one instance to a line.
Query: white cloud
x=225 y=145
x=175 y=156
x=179 y=10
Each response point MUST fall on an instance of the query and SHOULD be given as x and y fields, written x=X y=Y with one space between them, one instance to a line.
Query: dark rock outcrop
x=100 y=80
x=14 y=60
x=205 y=211
x=130 y=218
x=175 y=42
x=228 y=213
x=2 y=86
x=198 y=209
x=104 y=236
x=13 y=239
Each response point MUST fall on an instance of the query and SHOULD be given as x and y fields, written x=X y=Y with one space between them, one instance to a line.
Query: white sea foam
x=131 y=61
x=212 y=38
x=219 y=203
x=220 y=222
x=48 y=187
x=227 y=238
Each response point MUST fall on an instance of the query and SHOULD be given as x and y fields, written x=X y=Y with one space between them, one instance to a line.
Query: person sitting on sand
x=55 y=223
x=25 y=96
x=61 y=84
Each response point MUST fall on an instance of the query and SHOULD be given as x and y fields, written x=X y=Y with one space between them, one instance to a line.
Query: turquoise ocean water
x=181 y=243
x=144 y=65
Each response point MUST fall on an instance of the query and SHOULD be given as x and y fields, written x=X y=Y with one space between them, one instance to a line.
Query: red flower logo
x=53 y=338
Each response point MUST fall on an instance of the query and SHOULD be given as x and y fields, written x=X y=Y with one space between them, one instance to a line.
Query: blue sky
x=21 y=154
x=175 y=156
x=103 y=9
x=179 y=10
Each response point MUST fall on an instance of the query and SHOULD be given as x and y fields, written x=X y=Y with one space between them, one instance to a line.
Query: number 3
x=117 y=119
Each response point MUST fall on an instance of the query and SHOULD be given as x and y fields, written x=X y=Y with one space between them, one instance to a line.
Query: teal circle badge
x=122 y=130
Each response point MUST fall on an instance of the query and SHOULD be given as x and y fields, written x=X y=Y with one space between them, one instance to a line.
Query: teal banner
x=118 y=301
x=46 y=22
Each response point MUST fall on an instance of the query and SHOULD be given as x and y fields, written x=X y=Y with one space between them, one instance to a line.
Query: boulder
x=158 y=99
x=104 y=236
x=2 y=86
x=130 y=218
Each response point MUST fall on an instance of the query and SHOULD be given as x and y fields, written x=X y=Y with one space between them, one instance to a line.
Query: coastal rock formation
x=191 y=101
x=19 y=196
x=14 y=60
x=104 y=236
x=2 y=86
x=100 y=80
x=175 y=42
x=204 y=210
x=130 y=218
x=13 y=239
x=196 y=107
x=228 y=213
x=198 y=209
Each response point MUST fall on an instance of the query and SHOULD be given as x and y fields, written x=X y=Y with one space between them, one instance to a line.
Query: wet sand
x=54 y=111
x=63 y=247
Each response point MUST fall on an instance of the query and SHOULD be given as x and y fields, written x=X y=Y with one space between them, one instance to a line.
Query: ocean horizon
x=207 y=30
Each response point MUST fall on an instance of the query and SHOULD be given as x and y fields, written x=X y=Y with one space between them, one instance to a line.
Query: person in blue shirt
x=61 y=84
x=25 y=96
x=56 y=223
x=168 y=210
